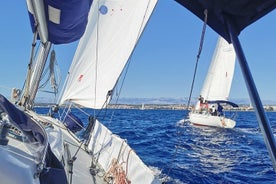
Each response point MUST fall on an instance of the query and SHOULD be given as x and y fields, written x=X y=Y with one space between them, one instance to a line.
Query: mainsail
x=218 y=81
x=112 y=32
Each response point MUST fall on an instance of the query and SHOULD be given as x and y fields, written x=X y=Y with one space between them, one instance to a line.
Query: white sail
x=216 y=89
x=112 y=32
x=218 y=81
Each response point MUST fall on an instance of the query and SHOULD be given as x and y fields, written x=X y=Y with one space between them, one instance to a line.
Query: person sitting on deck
x=200 y=99
x=206 y=105
x=213 y=111
x=220 y=108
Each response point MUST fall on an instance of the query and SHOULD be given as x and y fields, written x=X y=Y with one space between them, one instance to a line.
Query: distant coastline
x=166 y=104
x=241 y=107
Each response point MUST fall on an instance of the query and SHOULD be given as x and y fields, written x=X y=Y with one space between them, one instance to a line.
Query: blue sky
x=163 y=62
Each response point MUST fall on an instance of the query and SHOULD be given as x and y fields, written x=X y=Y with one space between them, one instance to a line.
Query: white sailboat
x=143 y=106
x=216 y=89
x=44 y=149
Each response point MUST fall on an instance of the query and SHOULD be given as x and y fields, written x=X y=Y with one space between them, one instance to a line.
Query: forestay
x=112 y=32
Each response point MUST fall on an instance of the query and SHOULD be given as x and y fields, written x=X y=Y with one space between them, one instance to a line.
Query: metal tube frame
x=254 y=96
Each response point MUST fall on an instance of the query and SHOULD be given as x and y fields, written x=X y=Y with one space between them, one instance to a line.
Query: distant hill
x=239 y=101
x=151 y=101
x=138 y=101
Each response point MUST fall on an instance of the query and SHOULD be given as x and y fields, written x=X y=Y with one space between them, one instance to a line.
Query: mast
x=36 y=7
x=37 y=72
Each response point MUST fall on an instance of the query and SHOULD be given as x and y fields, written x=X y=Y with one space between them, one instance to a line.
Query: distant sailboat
x=143 y=107
x=216 y=88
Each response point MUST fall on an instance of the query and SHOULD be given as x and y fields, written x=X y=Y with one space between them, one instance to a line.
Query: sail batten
x=112 y=32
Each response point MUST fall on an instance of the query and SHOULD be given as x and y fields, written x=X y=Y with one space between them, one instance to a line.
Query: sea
x=181 y=153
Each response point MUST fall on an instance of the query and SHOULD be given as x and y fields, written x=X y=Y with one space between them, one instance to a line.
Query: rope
x=198 y=55
x=53 y=76
x=116 y=172
x=127 y=161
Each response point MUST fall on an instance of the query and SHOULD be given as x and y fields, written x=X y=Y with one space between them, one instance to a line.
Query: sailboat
x=229 y=19
x=57 y=147
x=143 y=107
x=41 y=149
x=216 y=89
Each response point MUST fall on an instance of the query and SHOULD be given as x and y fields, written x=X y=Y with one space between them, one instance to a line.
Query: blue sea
x=181 y=153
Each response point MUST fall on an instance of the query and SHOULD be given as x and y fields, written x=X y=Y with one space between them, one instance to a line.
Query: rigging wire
x=180 y=131
x=110 y=93
x=130 y=57
x=54 y=76
x=198 y=55
x=126 y=67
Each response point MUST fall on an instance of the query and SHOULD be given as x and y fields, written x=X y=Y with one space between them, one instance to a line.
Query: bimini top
x=241 y=13
x=223 y=102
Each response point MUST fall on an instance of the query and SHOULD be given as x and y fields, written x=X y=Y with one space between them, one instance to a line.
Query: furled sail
x=112 y=32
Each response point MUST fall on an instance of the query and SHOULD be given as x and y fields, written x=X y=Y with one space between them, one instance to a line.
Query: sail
x=218 y=81
x=112 y=32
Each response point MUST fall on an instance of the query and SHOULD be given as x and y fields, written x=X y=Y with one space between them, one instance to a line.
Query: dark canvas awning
x=241 y=12
x=223 y=102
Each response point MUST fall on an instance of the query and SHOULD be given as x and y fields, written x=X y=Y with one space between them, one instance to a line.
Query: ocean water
x=181 y=153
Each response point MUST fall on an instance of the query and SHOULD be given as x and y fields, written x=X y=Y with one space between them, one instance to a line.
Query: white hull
x=206 y=119
x=104 y=146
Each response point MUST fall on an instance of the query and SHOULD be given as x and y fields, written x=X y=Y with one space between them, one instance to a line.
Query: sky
x=163 y=62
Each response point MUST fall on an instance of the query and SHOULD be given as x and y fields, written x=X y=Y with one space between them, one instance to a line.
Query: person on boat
x=213 y=110
x=220 y=110
x=200 y=99
x=206 y=104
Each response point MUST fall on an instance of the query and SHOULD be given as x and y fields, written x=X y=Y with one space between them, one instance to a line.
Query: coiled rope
x=116 y=173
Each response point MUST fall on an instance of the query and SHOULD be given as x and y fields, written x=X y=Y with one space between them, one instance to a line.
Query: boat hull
x=104 y=147
x=209 y=120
